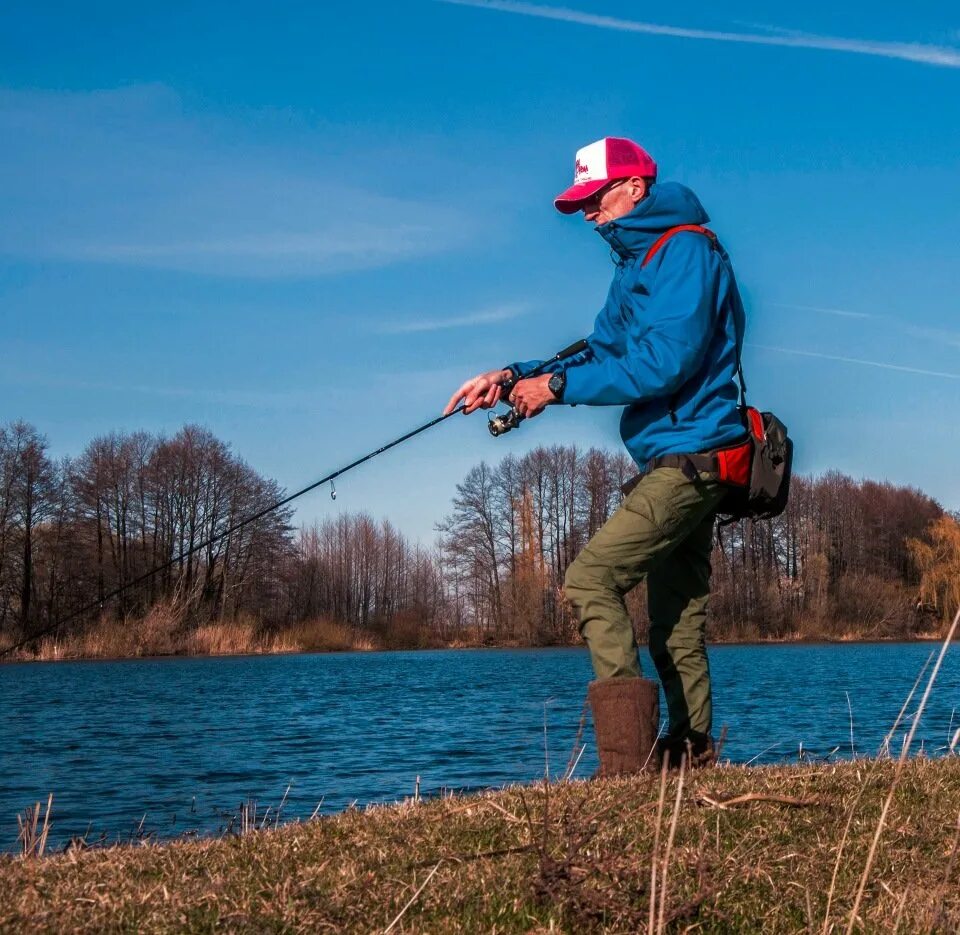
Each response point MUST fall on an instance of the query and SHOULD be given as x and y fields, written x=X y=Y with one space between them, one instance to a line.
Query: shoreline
x=456 y=646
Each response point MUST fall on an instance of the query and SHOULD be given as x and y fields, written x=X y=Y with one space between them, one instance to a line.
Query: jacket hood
x=668 y=205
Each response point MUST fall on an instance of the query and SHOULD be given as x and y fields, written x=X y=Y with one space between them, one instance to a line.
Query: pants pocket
x=671 y=501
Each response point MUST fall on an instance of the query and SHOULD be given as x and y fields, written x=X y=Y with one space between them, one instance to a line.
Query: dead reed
x=32 y=835
x=895 y=781
x=164 y=632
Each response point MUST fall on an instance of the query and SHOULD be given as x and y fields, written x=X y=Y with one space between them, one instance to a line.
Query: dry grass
x=227 y=638
x=320 y=635
x=163 y=632
x=32 y=835
x=159 y=633
x=741 y=850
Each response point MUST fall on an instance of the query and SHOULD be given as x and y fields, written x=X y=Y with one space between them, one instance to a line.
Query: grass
x=129 y=639
x=733 y=849
x=163 y=633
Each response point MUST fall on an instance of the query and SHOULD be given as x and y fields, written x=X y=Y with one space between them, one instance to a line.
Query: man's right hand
x=481 y=392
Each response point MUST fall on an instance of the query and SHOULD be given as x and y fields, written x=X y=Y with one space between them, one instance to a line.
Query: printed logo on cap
x=591 y=163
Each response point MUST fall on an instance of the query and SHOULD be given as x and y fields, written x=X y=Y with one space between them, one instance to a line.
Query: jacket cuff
x=521 y=368
x=578 y=386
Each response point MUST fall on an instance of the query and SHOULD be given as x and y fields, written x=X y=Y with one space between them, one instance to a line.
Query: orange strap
x=666 y=235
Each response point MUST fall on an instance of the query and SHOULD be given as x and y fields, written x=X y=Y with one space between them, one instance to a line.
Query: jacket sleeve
x=666 y=341
x=521 y=368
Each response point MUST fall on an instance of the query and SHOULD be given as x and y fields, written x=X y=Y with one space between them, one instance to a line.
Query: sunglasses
x=593 y=202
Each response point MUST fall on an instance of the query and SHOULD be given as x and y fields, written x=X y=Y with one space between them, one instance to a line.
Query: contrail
x=840 y=312
x=939 y=55
x=856 y=360
x=488 y=316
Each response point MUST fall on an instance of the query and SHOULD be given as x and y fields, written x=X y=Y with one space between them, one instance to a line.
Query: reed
x=225 y=638
x=321 y=635
x=32 y=835
x=898 y=772
x=164 y=631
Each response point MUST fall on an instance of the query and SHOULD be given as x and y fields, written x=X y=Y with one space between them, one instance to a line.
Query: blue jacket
x=665 y=344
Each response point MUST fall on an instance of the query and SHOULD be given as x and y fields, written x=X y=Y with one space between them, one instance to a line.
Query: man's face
x=615 y=200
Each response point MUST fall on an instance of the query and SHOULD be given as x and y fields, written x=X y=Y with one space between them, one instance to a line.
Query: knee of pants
x=581 y=577
x=669 y=644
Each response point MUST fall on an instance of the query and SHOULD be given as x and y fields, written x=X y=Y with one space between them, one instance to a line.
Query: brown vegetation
x=837 y=564
x=733 y=849
x=847 y=560
x=161 y=634
x=938 y=558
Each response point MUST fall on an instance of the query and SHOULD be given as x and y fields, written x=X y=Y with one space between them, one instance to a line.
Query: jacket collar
x=667 y=205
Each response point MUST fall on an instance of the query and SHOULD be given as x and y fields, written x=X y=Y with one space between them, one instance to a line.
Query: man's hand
x=481 y=392
x=531 y=397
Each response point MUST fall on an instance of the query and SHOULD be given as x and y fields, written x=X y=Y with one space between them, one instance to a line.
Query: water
x=185 y=741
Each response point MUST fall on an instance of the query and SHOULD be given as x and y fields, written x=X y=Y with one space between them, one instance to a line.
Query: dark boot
x=697 y=749
x=626 y=718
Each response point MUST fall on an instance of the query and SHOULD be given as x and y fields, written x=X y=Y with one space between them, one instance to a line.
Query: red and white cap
x=600 y=163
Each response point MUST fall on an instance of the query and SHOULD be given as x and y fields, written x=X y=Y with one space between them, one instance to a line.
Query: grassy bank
x=162 y=633
x=733 y=849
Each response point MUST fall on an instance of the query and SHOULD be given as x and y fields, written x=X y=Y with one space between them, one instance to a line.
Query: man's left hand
x=532 y=396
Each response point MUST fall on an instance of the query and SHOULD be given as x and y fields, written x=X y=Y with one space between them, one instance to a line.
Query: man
x=666 y=346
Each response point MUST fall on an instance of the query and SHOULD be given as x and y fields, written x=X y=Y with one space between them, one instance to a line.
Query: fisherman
x=666 y=346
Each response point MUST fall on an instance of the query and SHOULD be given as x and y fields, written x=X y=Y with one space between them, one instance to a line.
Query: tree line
x=848 y=558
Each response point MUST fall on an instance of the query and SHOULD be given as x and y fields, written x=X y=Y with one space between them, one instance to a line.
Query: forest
x=849 y=559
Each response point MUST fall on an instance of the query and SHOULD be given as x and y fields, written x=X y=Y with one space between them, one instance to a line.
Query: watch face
x=557 y=383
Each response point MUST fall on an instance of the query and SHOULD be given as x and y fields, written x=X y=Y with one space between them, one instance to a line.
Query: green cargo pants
x=664 y=531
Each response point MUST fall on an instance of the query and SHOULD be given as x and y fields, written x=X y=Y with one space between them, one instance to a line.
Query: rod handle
x=576 y=348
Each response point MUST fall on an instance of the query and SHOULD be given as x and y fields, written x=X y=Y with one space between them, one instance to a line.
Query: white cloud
x=240 y=397
x=482 y=317
x=839 y=312
x=271 y=253
x=856 y=360
x=126 y=177
x=943 y=56
x=938 y=335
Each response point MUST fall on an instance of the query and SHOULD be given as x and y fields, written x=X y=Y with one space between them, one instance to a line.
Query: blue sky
x=302 y=226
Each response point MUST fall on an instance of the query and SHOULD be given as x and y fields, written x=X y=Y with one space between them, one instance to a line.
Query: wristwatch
x=557 y=384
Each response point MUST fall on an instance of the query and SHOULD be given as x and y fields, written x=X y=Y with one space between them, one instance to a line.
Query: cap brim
x=571 y=201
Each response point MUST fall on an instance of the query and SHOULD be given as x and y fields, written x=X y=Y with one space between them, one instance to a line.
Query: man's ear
x=638 y=189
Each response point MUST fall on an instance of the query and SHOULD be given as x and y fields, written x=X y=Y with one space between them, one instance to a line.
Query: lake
x=172 y=746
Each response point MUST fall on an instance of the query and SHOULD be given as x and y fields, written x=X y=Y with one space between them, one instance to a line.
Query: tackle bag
x=769 y=453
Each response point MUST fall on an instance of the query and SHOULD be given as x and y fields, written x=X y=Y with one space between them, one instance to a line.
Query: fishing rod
x=513 y=416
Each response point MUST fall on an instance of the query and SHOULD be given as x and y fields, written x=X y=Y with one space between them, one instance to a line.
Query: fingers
x=492 y=397
x=453 y=402
x=478 y=393
x=461 y=393
x=474 y=396
x=474 y=402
